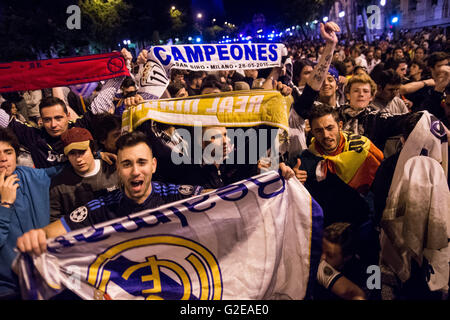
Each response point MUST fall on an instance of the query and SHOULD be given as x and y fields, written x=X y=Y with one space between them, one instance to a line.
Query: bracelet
x=424 y=83
x=7 y=203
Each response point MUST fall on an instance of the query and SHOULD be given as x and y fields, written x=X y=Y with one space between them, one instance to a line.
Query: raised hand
x=442 y=78
x=286 y=171
x=134 y=100
x=328 y=32
x=8 y=187
x=142 y=57
x=126 y=54
x=109 y=158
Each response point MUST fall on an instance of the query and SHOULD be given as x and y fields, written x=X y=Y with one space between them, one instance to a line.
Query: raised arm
x=415 y=86
x=320 y=71
x=303 y=103
x=103 y=103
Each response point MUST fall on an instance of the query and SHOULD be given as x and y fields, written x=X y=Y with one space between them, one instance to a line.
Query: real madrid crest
x=193 y=273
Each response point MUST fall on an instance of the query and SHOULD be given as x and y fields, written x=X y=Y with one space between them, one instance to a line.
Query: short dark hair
x=211 y=81
x=340 y=67
x=349 y=59
x=435 y=57
x=321 y=110
x=174 y=87
x=128 y=82
x=7 y=106
x=297 y=68
x=420 y=64
x=50 y=102
x=356 y=49
x=343 y=234
x=398 y=48
x=131 y=139
x=194 y=75
x=396 y=63
x=104 y=123
x=6 y=135
x=389 y=76
x=175 y=72
x=419 y=47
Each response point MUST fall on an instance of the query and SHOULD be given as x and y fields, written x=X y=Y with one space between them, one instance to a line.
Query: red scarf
x=40 y=74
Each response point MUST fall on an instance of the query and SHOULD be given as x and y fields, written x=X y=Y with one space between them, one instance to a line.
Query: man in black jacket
x=44 y=144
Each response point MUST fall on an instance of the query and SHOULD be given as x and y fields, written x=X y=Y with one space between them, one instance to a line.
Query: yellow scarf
x=228 y=109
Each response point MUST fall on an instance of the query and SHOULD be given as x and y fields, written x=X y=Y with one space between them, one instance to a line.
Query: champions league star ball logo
x=79 y=214
x=174 y=268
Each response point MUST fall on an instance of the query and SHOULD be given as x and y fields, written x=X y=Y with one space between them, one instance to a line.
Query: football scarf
x=227 y=109
x=40 y=74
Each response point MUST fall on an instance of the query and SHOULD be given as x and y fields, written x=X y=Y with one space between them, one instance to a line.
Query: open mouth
x=136 y=185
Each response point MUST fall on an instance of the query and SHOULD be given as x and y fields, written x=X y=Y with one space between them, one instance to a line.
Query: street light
x=325 y=19
x=199 y=15
x=173 y=8
x=394 y=20
x=382 y=3
x=341 y=14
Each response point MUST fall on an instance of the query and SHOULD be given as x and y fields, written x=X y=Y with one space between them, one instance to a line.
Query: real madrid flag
x=256 y=239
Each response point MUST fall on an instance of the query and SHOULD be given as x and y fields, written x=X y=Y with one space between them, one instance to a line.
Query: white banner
x=256 y=239
x=154 y=76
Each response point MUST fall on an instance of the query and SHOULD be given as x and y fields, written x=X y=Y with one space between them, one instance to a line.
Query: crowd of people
x=66 y=164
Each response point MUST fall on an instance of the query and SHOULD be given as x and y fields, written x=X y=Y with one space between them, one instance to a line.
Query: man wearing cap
x=85 y=179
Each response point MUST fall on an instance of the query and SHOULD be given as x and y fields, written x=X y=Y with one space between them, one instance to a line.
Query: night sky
x=237 y=11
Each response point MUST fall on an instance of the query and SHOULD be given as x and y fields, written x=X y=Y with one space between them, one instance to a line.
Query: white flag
x=256 y=239
x=154 y=76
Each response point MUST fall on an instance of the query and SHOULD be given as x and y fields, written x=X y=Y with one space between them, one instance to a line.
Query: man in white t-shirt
x=84 y=180
x=360 y=59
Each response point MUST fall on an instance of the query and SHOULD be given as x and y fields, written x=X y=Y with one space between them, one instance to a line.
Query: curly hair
x=363 y=78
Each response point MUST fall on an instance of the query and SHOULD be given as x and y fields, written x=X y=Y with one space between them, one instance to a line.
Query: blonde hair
x=363 y=78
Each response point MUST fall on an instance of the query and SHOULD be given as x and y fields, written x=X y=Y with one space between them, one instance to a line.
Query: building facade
x=411 y=14
x=417 y=14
